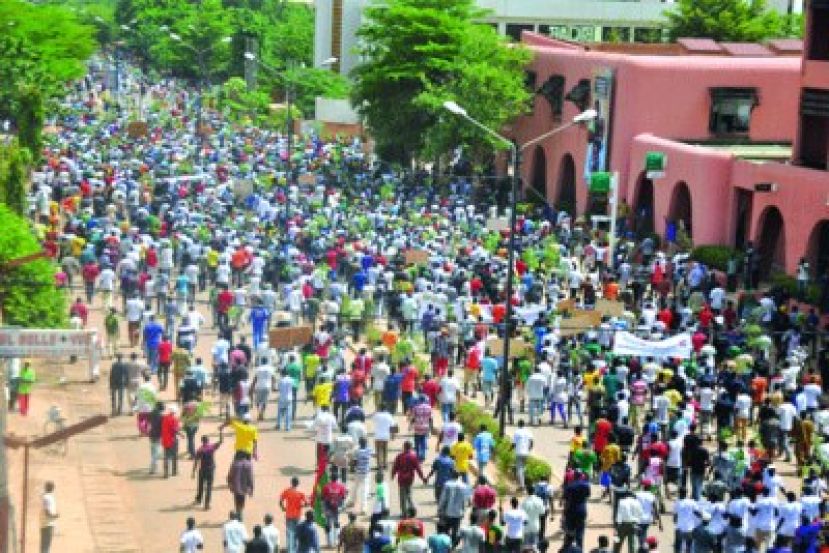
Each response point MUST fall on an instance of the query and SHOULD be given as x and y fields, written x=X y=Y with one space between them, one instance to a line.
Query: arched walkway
x=680 y=207
x=817 y=252
x=539 y=176
x=771 y=241
x=566 y=189
x=643 y=223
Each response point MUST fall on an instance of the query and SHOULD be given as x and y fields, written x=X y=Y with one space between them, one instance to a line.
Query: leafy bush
x=715 y=256
x=471 y=416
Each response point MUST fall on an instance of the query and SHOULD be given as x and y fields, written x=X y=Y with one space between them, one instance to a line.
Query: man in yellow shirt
x=462 y=452
x=247 y=436
x=322 y=393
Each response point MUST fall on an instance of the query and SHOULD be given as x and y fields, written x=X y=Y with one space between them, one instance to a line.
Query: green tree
x=14 y=176
x=28 y=295
x=42 y=47
x=419 y=53
x=730 y=20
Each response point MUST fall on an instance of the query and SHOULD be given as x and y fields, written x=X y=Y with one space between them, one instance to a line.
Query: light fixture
x=175 y=37
x=453 y=107
x=585 y=116
x=250 y=56
x=330 y=61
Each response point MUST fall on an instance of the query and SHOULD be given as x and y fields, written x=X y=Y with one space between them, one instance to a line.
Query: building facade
x=730 y=141
x=337 y=21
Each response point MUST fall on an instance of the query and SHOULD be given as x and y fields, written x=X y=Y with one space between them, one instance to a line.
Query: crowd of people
x=400 y=282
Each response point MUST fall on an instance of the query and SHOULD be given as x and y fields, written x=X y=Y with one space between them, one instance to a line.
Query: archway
x=539 y=176
x=566 y=190
x=643 y=224
x=680 y=207
x=771 y=241
x=817 y=252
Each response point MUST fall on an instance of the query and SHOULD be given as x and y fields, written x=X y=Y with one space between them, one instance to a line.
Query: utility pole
x=251 y=65
x=5 y=502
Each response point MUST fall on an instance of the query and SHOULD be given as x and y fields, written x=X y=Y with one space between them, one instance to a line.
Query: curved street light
x=456 y=109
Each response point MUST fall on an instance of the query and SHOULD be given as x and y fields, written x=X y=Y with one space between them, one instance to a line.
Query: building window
x=818 y=23
x=553 y=91
x=514 y=30
x=544 y=29
x=615 y=34
x=813 y=147
x=647 y=35
x=560 y=31
x=731 y=110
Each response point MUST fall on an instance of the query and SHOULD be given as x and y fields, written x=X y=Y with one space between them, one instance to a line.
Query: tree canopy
x=42 y=48
x=420 y=53
x=28 y=293
x=730 y=20
x=214 y=36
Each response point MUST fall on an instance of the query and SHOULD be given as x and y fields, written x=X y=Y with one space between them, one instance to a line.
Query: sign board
x=655 y=164
x=497 y=224
x=417 y=257
x=600 y=182
x=307 y=179
x=597 y=156
x=48 y=343
x=517 y=348
x=137 y=129
x=290 y=337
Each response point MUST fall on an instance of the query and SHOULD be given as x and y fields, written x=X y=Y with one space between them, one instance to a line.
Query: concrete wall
x=336 y=111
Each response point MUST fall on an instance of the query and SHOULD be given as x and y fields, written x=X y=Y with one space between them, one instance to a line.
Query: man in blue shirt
x=259 y=318
x=483 y=444
x=443 y=467
x=307 y=538
x=358 y=282
x=152 y=338
x=391 y=391
x=489 y=373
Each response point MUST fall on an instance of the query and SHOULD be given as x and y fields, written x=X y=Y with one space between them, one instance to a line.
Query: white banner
x=679 y=346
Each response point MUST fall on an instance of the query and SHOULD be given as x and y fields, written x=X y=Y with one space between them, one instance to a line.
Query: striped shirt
x=362 y=460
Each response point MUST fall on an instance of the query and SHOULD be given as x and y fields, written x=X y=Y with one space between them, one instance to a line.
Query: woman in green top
x=24 y=388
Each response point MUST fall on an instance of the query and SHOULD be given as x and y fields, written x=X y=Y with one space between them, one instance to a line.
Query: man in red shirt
x=90 y=272
x=405 y=466
x=483 y=499
x=333 y=501
x=170 y=430
x=408 y=384
x=431 y=388
x=165 y=359
x=223 y=303
x=79 y=310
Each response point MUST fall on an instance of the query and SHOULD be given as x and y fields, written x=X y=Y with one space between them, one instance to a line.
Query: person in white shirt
x=742 y=407
x=448 y=397
x=48 y=515
x=263 y=383
x=383 y=428
x=324 y=425
x=764 y=519
x=234 y=534
x=191 y=539
x=514 y=520
x=790 y=513
x=535 y=509
x=535 y=387
x=629 y=515
x=522 y=444
x=685 y=520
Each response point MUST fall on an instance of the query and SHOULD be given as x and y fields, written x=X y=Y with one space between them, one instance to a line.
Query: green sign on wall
x=600 y=182
x=655 y=164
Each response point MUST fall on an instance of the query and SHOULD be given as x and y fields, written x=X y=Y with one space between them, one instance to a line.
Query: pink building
x=715 y=123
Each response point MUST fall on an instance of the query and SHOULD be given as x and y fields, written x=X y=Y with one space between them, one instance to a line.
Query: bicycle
x=55 y=422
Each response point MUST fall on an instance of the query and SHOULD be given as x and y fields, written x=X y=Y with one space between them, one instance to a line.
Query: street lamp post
x=289 y=99
x=515 y=160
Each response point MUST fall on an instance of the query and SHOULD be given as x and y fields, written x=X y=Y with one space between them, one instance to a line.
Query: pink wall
x=662 y=95
x=705 y=171
x=802 y=196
